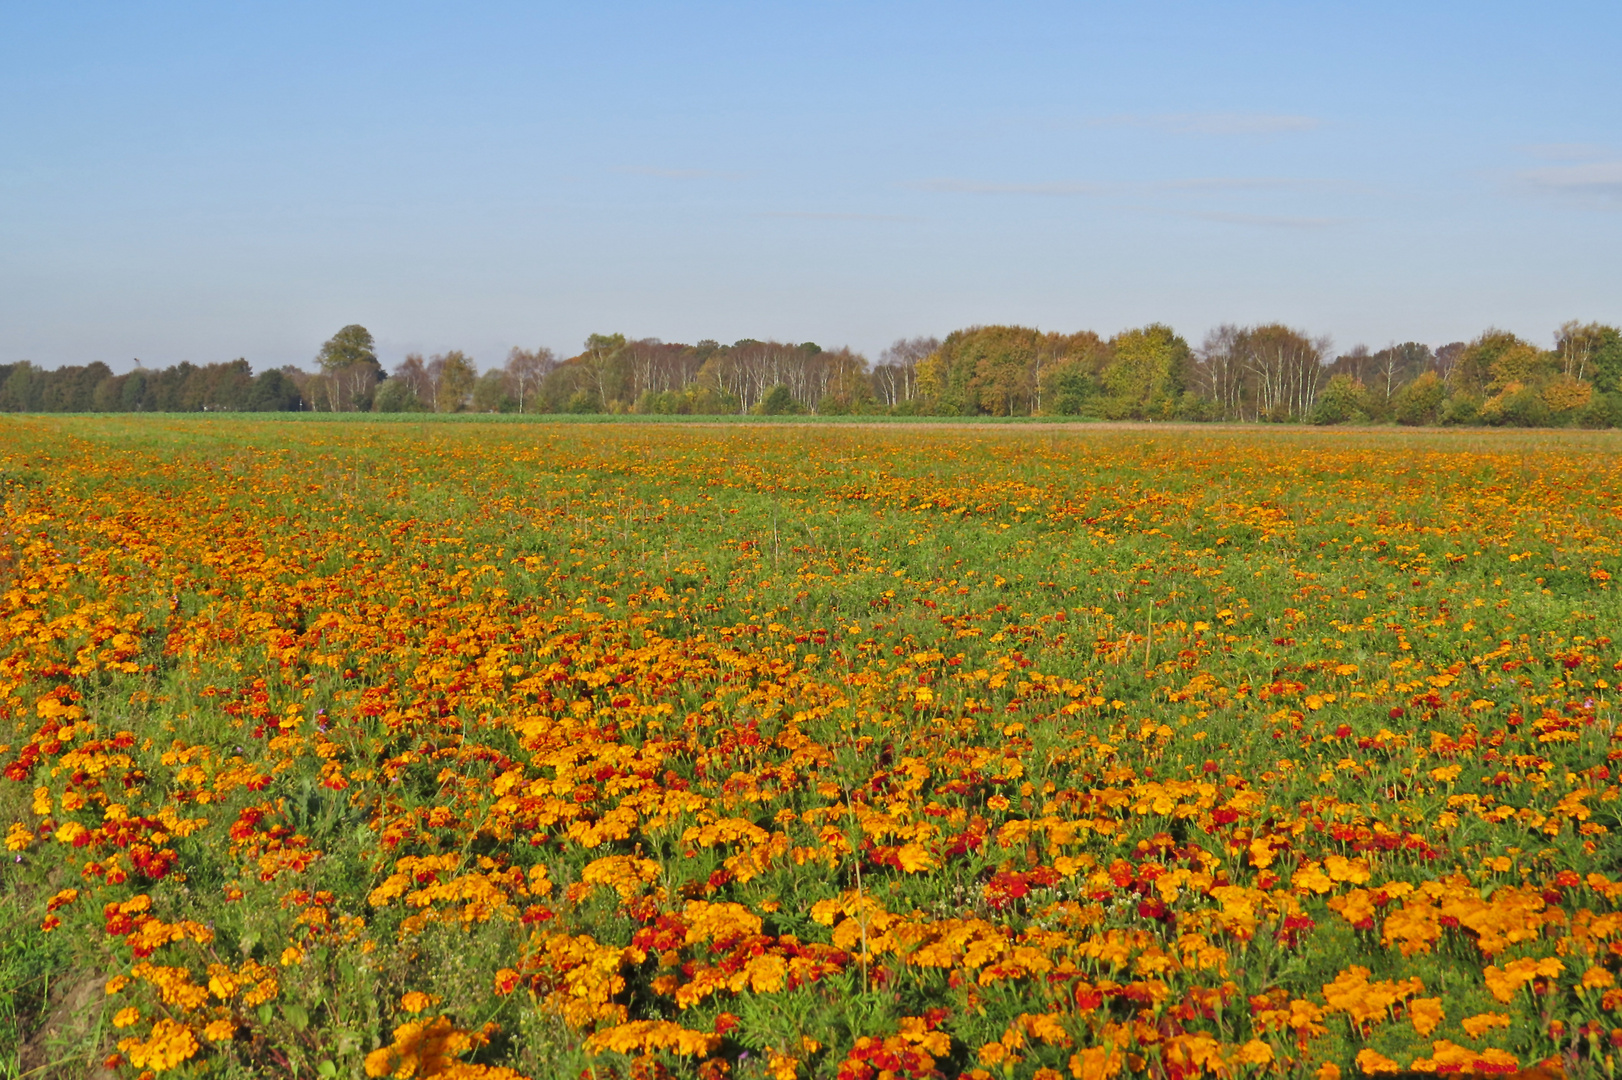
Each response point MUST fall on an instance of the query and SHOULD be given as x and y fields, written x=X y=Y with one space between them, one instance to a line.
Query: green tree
x=778 y=402
x=452 y=375
x=492 y=393
x=1605 y=365
x=1145 y=378
x=273 y=391
x=1472 y=370
x=1344 y=401
x=397 y=396
x=349 y=369
x=351 y=345
x=604 y=364
x=22 y=388
x=1417 y=403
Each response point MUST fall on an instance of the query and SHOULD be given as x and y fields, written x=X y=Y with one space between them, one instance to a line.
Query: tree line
x=1262 y=373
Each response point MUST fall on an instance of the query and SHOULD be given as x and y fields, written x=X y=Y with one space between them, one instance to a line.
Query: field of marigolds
x=872 y=753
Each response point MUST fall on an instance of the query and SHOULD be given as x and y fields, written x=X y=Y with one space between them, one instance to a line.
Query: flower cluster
x=504 y=750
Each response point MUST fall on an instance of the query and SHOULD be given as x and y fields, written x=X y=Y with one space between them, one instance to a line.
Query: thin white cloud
x=1571 y=151
x=819 y=215
x=1244 y=183
x=1590 y=178
x=1214 y=123
x=1265 y=221
x=676 y=174
x=980 y=187
x=1194 y=184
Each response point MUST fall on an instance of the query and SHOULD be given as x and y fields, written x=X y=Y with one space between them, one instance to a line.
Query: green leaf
x=296 y=1015
x=327 y=1068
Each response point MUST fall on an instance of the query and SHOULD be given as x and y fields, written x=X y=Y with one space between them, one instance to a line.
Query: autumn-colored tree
x=1470 y=370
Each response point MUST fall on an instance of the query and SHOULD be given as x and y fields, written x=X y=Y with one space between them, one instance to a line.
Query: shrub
x=1419 y=402
x=1343 y=401
x=1601 y=411
x=1519 y=406
x=584 y=401
x=778 y=402
x=1460 y=409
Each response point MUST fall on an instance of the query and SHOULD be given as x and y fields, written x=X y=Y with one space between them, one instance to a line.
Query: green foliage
x=1458 y=409
x=1073 y=390
x=1343 y=401
x=1146 y=377
x=1602 y=411
x=1419 y=402
x=1519 y=408
x=1270 y=373
x=273 y=391
x=778 y=402
x=1607 y=360
x=396 y=396
x=351 y=345
x=1474 y=370
x=584 y=401
x=491 y=393
x=454 y=376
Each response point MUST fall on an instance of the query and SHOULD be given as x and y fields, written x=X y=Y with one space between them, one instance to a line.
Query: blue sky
x=205 y=181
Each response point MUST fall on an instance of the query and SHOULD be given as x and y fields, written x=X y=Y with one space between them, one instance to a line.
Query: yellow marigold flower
x=18 y=837
x=262 y=992
x=1425 y=1014
x=915 y=858
x=1475 y=1026
x=1451 y=1056
x=1597 y=978
x=1096 y=1063
x=651 y=1035
x=415 y=1002
x=420 y=1048
x=124 y=1018
x=1341 y=868
x=1255 y=1052
x=1262 y=853
x=292 y=955
x=992 y=1053
x=169 y=1045
x=1310 y=875
x=1328 y=1072
x=222 y=983
x=1503 y=982
x=625 y=874
x=220 y=1031
x=1372 y=1062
